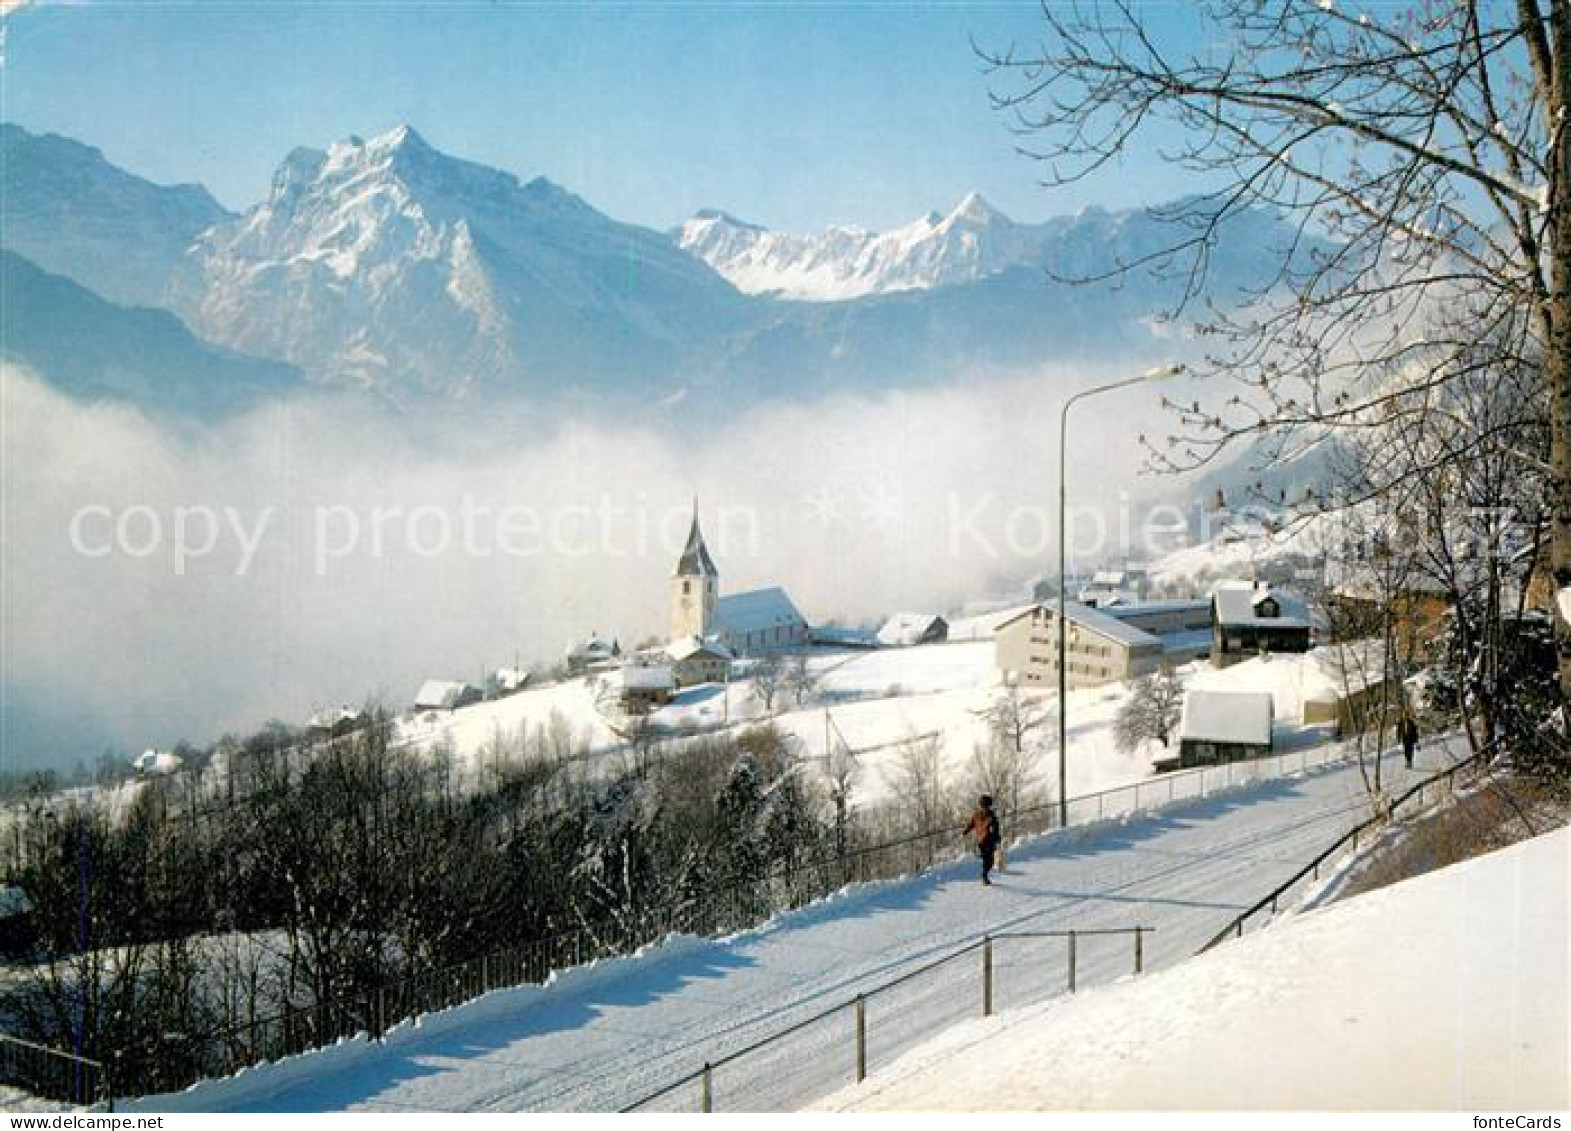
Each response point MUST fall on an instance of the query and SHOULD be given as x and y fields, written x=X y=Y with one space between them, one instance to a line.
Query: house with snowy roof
x=446 y=695
x=906 y=629
x=760 y=620
x=152 y=761
x=336 y=722
x=1098 y=648
x=1222 y=726
x=1114 y=587
x=1248 y=618
x=592 y=653
x=694 y=660
x=645 y=686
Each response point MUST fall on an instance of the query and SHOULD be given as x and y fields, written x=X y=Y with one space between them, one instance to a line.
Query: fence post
x=1139 y=950
x=861 y=1038
x=1239 y=933
x=1071 y=962
x=706 y=1098
x=987 y=976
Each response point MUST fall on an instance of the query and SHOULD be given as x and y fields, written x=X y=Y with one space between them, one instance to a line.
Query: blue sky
x=793 y=115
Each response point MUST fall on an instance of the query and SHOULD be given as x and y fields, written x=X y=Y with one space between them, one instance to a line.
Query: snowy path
x=603 y=1037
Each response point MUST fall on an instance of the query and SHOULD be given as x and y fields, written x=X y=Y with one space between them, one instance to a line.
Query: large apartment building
x=1099 y=648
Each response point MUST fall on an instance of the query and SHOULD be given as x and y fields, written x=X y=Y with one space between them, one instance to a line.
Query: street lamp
x=1159 y=373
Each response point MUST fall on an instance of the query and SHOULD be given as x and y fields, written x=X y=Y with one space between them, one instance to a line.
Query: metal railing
x=1428 y=792
x=797 y=1063
x=54 y=1075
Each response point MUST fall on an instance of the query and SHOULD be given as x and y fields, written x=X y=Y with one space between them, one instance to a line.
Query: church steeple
x=695 y=586
x=695 y=560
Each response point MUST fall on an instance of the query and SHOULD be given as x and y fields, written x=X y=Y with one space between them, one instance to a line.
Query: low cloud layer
x=165 y=581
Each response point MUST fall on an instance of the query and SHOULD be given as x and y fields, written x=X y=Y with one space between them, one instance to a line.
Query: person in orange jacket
x=984 y=830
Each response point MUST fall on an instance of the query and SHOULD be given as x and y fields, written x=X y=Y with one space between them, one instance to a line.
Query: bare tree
x=917 y=781
x=1431 y=144
x=800 y=679
x=1014 y=717
x=1001 y=771
x=769 y=673
x=1151 y=712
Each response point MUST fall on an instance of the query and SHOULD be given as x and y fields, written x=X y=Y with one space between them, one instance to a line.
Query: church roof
x=695 y=560
x=757 y=610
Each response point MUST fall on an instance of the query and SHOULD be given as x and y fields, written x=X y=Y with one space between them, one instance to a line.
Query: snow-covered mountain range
x=972 y=241
x=390 y=266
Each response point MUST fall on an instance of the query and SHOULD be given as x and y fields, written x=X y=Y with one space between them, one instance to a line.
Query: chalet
x=1248 y=619
x=1222 y=726
x=592 y=653
x=1114 y=587
x=336 y=723
x=152 y=761
x=906 y=629
x=506 y=681
x=1098 y=648
x=446 y=695
x=646 y=686
x=1361 y=598
x=695 y=661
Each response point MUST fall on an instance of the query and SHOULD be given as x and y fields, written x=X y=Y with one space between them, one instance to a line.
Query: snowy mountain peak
x=357 y=244
x=975 y=208
x=972 y=241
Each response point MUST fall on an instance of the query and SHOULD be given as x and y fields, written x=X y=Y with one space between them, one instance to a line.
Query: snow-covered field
x=875 y=700
x=1446 y=992
x=601 y=1037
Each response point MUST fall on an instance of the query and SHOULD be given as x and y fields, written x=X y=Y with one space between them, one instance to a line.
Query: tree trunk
x=1557 y=349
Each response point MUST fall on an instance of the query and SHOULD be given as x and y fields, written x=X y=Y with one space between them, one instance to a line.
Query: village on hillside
x=1255 y=642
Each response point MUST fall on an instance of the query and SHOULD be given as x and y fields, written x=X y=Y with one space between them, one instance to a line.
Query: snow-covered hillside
x=875 y=701
x=1447 y=992
x=601 y=1037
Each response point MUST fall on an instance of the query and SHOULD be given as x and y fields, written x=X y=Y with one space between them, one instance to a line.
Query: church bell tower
x=695 y=586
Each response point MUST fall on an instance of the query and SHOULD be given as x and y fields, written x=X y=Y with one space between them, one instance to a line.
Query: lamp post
x=1159 y=373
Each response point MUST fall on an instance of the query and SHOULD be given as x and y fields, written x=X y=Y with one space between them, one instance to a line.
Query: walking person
x=1408 y=729
x=984 y=830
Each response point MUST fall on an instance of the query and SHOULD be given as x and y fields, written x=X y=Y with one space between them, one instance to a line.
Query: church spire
x=695 y=560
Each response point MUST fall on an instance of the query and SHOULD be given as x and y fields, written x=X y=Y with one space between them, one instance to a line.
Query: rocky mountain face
x=384 y=263
x=71 y=212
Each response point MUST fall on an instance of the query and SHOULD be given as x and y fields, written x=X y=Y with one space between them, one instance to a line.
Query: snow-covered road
x=603 y=1037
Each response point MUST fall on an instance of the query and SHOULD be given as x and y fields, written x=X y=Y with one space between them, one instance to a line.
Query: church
x=762 y=620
